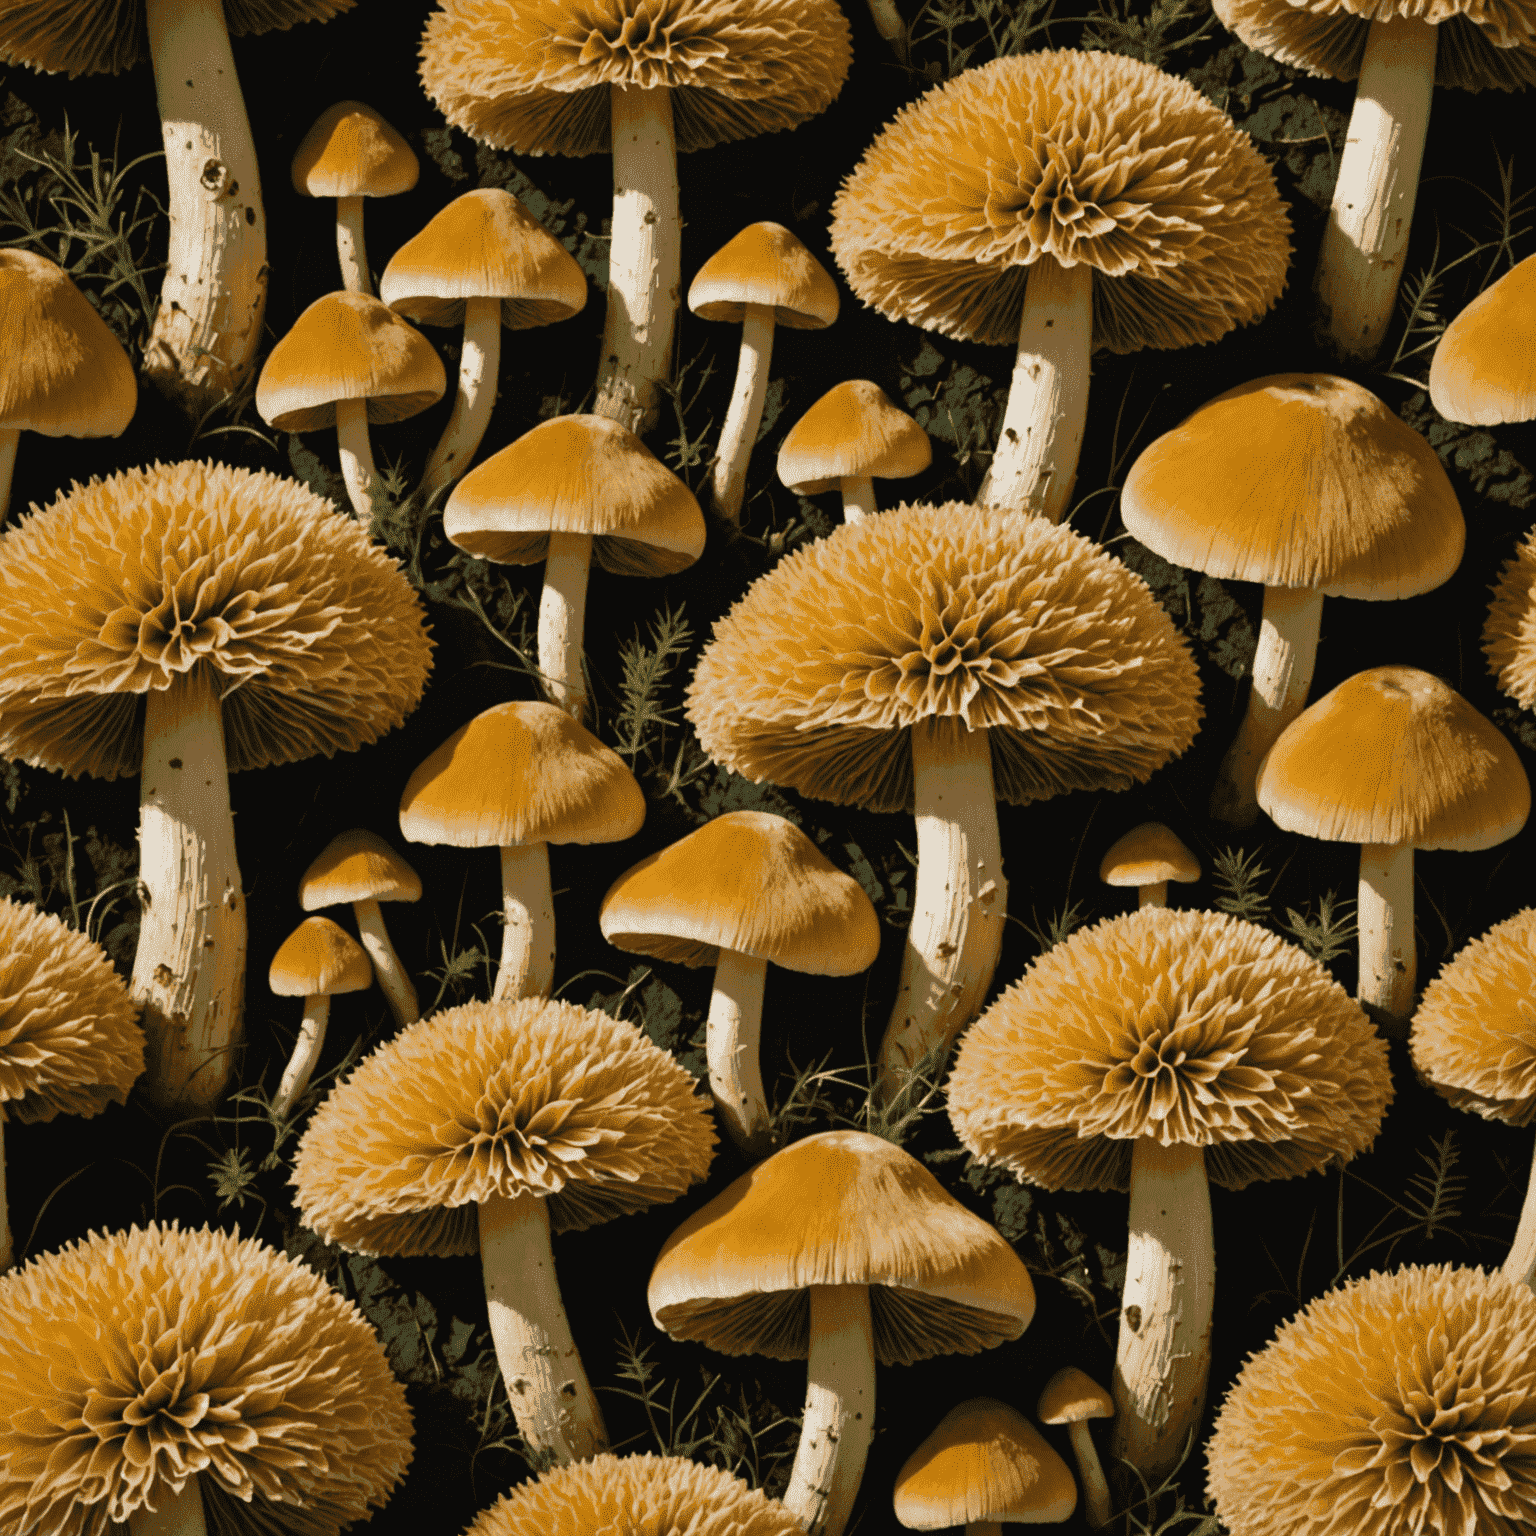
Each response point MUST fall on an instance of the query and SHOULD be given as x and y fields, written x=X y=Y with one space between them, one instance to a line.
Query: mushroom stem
x=179 y=1514
x=890 y=26
x=732 y=1042
x=9 y=438
x=208 y=324
x=306 y=1052
x=7 y=1244
x=562 y=614
x=393 y=979
x=479 y=362
x=1360 y=262
x=728 y=482
x=551 y=1398
x=1090 y=1471
x=527 y=966
x=356 y=454
x=839 y=1418
x=1163 y=1354
x=1384 y=914
x=351 y=249
x=189 y=969
x=1035 y=464
x=858 y=498
x=1154 y=895
x=644 y=257
x=1519 y=1266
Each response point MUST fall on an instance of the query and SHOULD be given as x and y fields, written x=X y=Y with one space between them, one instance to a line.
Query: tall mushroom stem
x=562 y=615
x=1360 y=263
x=732 y=1044
x=1520 y=1265
x=306 y=1052
x=1163 y=1354
x=393 y=978
x=1090 y=1472
x=9 y=438
x=527 y=967
x=858 y=498
x=179 y=1514
x=839 y=1418
x=7 y=1243
x=351 y=249
x=208 y=325
x=356 y=453
x=189 y=969
x=1384 y=914
x=551 y=1399
x=728 y=481
x=479 y=363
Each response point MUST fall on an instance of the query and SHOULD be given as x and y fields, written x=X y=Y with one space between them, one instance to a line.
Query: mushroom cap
x=509 y=1098
x=981 y=617
x=984 y=1462
x=854 y=429
x=1473 y=1038
x=1484 y=368
x=1073 y=157
x=484 y=245
x=1299 y=480
x=351 y=151
x=70 y=1041
x=533 y=76
x=517 y=774
x=1192 y=1028
x=1509 y=633
x=317 y=641
x=1400 y=1404
x=840 y=1208
x=1147 y=855
x=132 y=1361
x=765 y=264
x=1072 y=1396
x=348 y=346
x=1394 y=756
x=577 y=474
x=357 y=865
x=319 y=959
x=751 y=883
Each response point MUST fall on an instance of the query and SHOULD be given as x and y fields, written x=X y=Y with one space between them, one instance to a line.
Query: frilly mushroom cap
x=499 y=1099
x=853 y=430
x=1400 y=1405
x=533 y=76
x=133 y=1361
x=319 y=959
x=70 y=1041
x=1188 y=1027
x=1073 y=157
x=317 y=641
x=1484 y=368
x=1002 y=622
x=352 y=151
x=1473 y=1038
x=1148 y=855
x=1509 y=633
x=357 y=865
x=765 y=264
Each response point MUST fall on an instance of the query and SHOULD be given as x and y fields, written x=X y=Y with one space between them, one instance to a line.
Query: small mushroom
x=1072 y=1397
x=1148 y=857
x=317 y=961
x=1484 y=368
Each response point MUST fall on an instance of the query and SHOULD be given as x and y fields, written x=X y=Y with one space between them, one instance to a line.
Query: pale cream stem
x=306 y=1053
x=356 y=453
x=1384 y=915
x=393 y=978
x=732 y=1038
x=351 y=249
x=527 y=966
x=562 y=614
x=1520 y=1265
x=7 y=1243
x=858 y=498
x=728 y=480
x=9 y=438
x=179 y=1514
x=1154 y=895
x=1090 y=1470
x=479 y=364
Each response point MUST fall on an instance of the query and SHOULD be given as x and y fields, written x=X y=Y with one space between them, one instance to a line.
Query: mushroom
x=519 y=777
x=1072 y=1397
x=760 y=278
x=1509 y=632
x=176 y=622
x=1148 y=857
x=1060 y=201
x=839 y=1250
x=1484 y=368
x=1311 y=485
x=479 y=1129
x=745 y=889
x=1394 y=760
x=1151 y=1052
x=316 y=961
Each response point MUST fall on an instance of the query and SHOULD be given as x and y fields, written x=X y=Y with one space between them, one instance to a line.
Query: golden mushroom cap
x=132 y=1361
x=1189 y=1027
x=1398 y=1405
x=1509 y=633
x=352 y=150
x=1483 y=370
x=1147 y=854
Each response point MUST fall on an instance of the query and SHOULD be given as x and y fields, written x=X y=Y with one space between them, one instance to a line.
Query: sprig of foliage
x=965 y=29
x=1057 y=927
x=1168 y=28
x=1238 y=875
x=643 y=716
x=1328 y=935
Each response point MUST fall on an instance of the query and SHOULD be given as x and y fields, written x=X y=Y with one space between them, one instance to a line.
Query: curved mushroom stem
x=562 y=615
x=1283 y=662
x=306 y=1052
x=9 y=438
x=7 y=1244
x=1154 y=895
x=179 y=1514
x=1035 y=465
x=479 y=363
x=356 y=453
x=551 y=1398
x=890 y=26
x=351 y=249
x=728 y=481
x=858 y=498
x=839 y=1418
x=527 y=966
x=1360 y=263
x=1384 y=914
x=1519 y=1266
x=1163 y=1354
x=1090 y=1471
x=393 y=978
x=732 y=1042
x=208 y=325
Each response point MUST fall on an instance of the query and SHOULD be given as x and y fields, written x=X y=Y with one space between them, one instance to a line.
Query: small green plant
x=1239 y=876
x=1057 y=927
x=1328 y=935
x=232 y=1174
x=975 y=31
x=644 y=717
x=690 y=450
x=1170 y=27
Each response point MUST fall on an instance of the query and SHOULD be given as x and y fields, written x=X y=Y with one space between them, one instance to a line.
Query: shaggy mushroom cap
x=1080 y=157
x=499 y=1099
x=1188 y=1027
x=1400 y=1405
x=316 y=639
x=357 y=865
x=1484 y=368
x=132 y=1361
x=1015 y=626
x=1509 y=633
x=351 y=151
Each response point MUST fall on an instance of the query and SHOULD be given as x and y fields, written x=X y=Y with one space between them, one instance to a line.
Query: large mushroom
x=1509 y=632
x=1484 y=368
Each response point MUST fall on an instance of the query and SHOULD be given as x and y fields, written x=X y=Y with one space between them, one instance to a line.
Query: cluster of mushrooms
x=179 y=621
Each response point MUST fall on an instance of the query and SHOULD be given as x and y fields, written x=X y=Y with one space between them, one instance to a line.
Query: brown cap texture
x=357 y=865
x=70 y=1041
x=765 y=264
x=319 y=959
x=1075 y=157
x=1188 y=1027
x=133 y=1361
x=533 y=76
x=1509 y=633
x=317 y=640
x=499 y=1099
x=351 y=151
x=1402 y=1404
x=853 y=430
x=1484 y=368
x=1006 y=623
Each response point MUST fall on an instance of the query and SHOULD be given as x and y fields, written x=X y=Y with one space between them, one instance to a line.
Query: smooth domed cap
x=351 y=151
x=1073 y=157
x=1148 y=855
x=1394 y=756
x=853 y=430
x=357 y=865
x=534 y=76
x=840 y=1208
x=765 y=264
x=521 y=773
x=1484 y=368
x=1299 y=480
x=348 y=346
x=747 y=882
x=578 y=474
x=984 y=1462
x=319 y=959
x=1509 y=632
x=484 y=245
x=1071 y=1396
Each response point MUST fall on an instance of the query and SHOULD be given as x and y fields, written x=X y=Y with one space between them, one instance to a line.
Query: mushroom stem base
x=728 y=482
x=356 y=454
x=479 y=366
x=562 y=616
x=527 y=966
x=733 y=1038
x=179 y=1514
x=9 y=438
x=1384 y=913
x=306 y=1053
x=858 y=498
x=393 y=979
x=351 y=250
x=1520 y=1266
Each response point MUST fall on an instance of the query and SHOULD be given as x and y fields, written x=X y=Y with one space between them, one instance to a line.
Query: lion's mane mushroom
x=583 y=77
x=1148 y=1053
x=169 y=1378
x=939 y=659
x=1057 y=202
x=176 y=622
x=1509 y=632
x=1484 y=368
